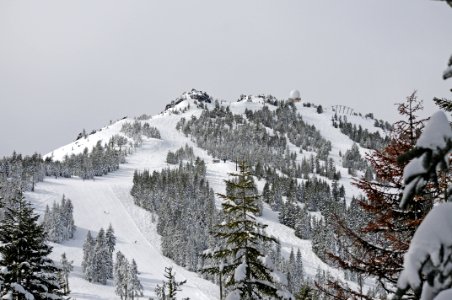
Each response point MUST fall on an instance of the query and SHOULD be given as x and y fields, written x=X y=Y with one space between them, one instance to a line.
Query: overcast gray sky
x=69 y=65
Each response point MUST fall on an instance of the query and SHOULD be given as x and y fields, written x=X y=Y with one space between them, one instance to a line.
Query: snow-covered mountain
x=107 y=200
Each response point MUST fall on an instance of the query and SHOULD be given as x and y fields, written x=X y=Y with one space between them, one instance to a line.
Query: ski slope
x=105 y=200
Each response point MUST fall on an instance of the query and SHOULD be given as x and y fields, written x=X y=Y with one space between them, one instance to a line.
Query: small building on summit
x=294 y=96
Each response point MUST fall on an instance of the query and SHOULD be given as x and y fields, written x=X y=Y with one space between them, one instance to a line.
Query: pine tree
x=376 y=246
x=135 y=289
x=27 y=272
x=66 y=268
x=121 y=275
x=88 y=252
x=247 y=275
x=101 y=259
x=67 y=215
x=111 y=243
x=170 y=287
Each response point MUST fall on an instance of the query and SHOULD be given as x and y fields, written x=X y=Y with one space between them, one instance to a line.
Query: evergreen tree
x=101 y=259
x=121 y=275
x=135 y=289
x=111 y=243
x=170 y=287
x=26 y=271
x=247 y=275
x=87 y=262
x=66 y=268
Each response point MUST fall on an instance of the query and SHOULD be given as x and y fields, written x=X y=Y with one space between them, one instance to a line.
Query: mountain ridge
x=113 y=203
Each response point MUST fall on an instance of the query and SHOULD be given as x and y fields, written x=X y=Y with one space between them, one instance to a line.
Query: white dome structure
x=294 y=96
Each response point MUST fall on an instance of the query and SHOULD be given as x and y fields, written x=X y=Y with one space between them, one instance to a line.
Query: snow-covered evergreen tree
x=88 y=249
x=101 y=259
x=135 y=288
x=111 y=243
x=169 y=288
x=66 y=268
x=247 y=273
x=121 y=274
x=25 y=270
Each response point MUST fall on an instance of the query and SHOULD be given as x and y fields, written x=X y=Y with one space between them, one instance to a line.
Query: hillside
x=107 y=199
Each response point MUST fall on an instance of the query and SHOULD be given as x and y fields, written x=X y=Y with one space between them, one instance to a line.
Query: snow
x=435 y=136
x=436 y=132
x=234 y=295
x=433 y=233
x=414 y=167
x=340 y=142
x=240 y=272
x=8 y=296
x=279 y=277
x=444 y=295
x=20 y=289
x=136 y=233
x=107 y=199
x=104 y=135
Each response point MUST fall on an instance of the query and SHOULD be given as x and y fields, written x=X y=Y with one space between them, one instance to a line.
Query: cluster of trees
x=200 y=98
x=58 y=222
x=184 y=203
x=353 y=161
x=370 y=140
x=137 y=129
x=97 y=264
x=228 y=136
x=267 y=99
x=286 y=120
x=21 y=172
x=294 y=271
x=181 y=154
x=311 y=165
x=98 y=162
x=312 y=192
x=125 y=273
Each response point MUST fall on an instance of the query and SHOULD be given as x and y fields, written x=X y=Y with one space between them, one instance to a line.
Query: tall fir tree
x=135 y=286
x=246 y=273
x=121 y=275
x=101 y=259
x=26 y=270
x=111 y=243
x=87 y=262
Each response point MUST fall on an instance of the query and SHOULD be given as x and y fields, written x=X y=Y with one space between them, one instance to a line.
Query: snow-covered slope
x=105 y=200
x=104 y=134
